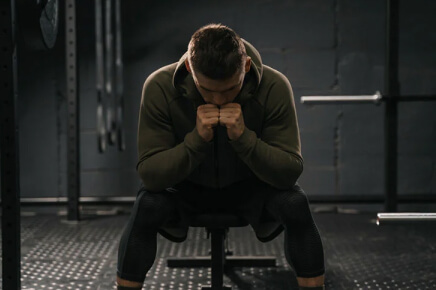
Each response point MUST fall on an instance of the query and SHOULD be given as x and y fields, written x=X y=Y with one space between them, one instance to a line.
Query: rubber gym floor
x=358 y=254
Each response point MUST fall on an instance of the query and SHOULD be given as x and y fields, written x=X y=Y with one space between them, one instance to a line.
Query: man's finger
x=210 y=114
x=226 y=121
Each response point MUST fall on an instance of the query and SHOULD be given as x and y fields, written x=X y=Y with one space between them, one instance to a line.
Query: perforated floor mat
x=359 y=255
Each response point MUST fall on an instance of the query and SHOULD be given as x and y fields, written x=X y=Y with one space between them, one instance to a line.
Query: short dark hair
x=216 y=51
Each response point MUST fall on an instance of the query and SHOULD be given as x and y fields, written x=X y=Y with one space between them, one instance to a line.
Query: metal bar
x=392 y=89
x=109 y=73
x=192 y=262
x=119 y=85
x=251 y=261
x=100 y=77
x=238 y=261
x=315 y=100
x=9 y=147
x=218 y=257
x=377 y=98
x=390 y=218
x=103 y=200
x=408 y=198
x=73 y=148
x=82 y=200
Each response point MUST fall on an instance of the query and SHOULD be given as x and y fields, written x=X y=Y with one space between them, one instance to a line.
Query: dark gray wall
x=322 y=46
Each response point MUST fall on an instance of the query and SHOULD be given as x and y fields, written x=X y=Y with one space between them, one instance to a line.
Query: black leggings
x=303 y=246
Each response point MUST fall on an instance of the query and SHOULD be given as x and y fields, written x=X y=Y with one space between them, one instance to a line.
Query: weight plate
x=38 y=21
x=49 y=22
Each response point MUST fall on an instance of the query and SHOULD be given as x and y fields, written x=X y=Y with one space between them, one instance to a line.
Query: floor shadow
x=269 y=279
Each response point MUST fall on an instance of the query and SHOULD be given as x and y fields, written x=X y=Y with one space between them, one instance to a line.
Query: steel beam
x=9 y=146
x=73 y=131
x=392 y=89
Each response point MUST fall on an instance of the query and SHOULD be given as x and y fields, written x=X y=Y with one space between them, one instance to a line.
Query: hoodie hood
x=184 y=83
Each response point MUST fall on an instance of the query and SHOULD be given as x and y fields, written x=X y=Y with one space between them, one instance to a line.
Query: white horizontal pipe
x=312 y=100
x=383 y=218
x=83 y=199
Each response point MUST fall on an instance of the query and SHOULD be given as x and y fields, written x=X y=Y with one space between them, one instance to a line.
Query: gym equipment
x=9 y=150
x=391 y=98
x=38 y=22
x=73 y=134
x=109 y=73
x=119 y=85
x=217 y=225
x=110 y=101
x=101 y=124
x=404 y=217
x=311 y=100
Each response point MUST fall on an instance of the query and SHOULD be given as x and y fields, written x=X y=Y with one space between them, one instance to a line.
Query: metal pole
x=119 y=86
x=376 y=99
x=73 y=154
x=99 y=60
x=391 y=106
x=9 y=146
x=404 y=217
x=316 y=100
x=217 y=236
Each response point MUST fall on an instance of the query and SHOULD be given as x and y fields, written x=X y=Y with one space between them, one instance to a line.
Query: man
x=218 y=132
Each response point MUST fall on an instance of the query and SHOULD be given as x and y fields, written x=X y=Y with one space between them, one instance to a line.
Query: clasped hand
x=228 y=115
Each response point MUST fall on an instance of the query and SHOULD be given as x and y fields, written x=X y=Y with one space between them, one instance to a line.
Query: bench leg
x=218 y=259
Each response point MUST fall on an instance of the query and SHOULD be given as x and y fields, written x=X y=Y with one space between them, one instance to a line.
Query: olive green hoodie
x=171 y=150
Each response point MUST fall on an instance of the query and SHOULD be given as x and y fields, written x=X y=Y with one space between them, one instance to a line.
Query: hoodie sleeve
x=163 y=163
x=275 y=157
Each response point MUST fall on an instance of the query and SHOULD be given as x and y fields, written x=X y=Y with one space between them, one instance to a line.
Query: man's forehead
x=212 y=85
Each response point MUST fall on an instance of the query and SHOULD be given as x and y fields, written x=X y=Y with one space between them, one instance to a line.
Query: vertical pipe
x=119 y=77
x=100 y=77
x=109 y=73
x=217 y=258
x=9 y=149
x=391 y=104
x=73 y=154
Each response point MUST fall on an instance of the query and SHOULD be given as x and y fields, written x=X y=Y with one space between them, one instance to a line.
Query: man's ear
x=188 y=68
x=247 y=64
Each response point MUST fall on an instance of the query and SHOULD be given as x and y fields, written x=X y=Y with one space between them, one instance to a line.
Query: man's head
x=218 y=62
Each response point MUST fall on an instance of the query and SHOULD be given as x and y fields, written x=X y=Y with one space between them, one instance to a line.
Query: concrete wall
x=323 y=46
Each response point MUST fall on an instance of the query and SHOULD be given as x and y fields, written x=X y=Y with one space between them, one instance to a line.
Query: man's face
x=219 y=92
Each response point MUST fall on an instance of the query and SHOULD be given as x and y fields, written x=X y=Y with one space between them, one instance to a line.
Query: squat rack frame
x=9 y=145
x=391 y=98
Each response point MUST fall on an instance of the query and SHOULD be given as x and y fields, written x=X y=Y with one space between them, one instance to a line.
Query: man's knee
x=291 y=206
x=153 y=209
